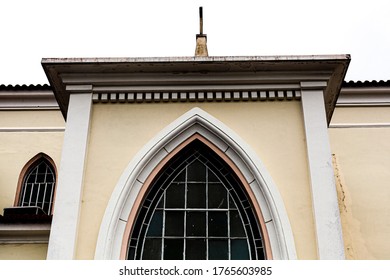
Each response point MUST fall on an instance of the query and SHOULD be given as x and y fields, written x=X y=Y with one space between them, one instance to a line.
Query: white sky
x=33 y=29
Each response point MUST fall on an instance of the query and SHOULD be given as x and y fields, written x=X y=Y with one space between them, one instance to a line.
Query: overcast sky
x=33 y=29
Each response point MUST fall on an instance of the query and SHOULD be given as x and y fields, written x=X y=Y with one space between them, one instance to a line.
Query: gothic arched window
x=37 y=187
x=196 y=208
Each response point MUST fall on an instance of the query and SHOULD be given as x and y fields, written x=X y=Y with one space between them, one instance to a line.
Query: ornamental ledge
x=198 y=96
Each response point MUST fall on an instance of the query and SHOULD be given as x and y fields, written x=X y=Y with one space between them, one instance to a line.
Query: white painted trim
x=24 y=233
x=324 y=197
x=359 y=125
x=62 y=244
x=32 y=129
x=364 y=97
x=195 y=121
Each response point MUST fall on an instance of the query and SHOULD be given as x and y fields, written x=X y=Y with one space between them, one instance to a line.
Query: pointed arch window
x=196 y=208
x=37 y=187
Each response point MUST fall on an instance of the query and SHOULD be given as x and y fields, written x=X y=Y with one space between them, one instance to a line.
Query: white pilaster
x=63 y=235
x=325 y=206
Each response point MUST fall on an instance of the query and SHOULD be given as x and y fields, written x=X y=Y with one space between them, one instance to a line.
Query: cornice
x=20 y=98
x=195 y=78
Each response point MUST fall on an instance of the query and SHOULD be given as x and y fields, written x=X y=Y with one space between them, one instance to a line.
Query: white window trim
x=114 y=222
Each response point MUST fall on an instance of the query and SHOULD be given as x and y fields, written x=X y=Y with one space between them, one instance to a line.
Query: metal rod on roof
x=201 y=20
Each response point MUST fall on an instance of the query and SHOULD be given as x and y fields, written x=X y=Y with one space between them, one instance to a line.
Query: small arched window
x=196 y=209
x=37 y=184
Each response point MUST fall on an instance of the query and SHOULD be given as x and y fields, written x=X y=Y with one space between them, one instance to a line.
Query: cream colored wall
x=273 y=129
x=23 y=251
x=17 y=148
x=362 y=164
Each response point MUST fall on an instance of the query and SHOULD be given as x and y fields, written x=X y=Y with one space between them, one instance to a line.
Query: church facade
x=195 y=158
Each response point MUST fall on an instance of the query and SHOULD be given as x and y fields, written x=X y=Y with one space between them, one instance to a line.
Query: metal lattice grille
x=38 y=187
x=196 y=210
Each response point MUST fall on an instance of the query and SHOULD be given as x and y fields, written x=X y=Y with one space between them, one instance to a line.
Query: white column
x=63 y=235
x=324 y=195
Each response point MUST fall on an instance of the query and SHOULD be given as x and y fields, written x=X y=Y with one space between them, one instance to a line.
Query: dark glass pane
x=218 y=224
x=41 y=178
x=196 y=172
x=196 y=195
x=239 y=249
x=160 y=203
x=34 y=194
x=41 y=193
x=173 y=249
x=152 y=249
x=155 y=226
x=175 y=196
x=195 y=249
x=217 y=196
x=196 y=224
x=174 y=223
x=236 y=226
x=218 y=249
x=212 y=178
x=181 y=177
x=131 y=254
x=232 y=204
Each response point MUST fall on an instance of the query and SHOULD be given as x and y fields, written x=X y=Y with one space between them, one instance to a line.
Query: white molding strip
x=112 y=229
x=24 y=233
x=62 y=243
x=359 y=125
x=324 y=197
x=364 y=97
x=32 y=129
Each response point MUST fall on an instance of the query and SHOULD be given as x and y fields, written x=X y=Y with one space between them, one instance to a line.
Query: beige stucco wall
x=362 y=164
x=18 y=147
x=274 y=130
x=23 y=251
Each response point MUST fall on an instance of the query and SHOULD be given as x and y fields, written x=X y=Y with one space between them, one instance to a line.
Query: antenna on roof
x=201 y=39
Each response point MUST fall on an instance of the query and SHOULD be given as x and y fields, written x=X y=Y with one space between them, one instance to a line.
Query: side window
x=37 y=187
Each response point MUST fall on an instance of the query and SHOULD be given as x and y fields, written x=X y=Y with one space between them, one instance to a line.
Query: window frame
x=235 y=193
x=26 y=170
x=150 y=179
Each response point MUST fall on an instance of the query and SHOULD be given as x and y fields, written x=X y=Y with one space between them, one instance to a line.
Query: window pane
x=155 y=226
x=196 y=224
x=212 y=177
x=152 y=249
x=175 y=196
x=195 y=249
x=239 y=249
x=196 y=172
x=174 y=223
x=196 y=195
x=218 y=249
x=173 y=249
x=236 y=226
x=181 y=177
x=218 y=224
x=217 y=196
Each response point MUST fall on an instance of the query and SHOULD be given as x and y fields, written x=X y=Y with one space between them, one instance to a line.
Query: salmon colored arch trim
x=147 y=184
x=26 y=168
